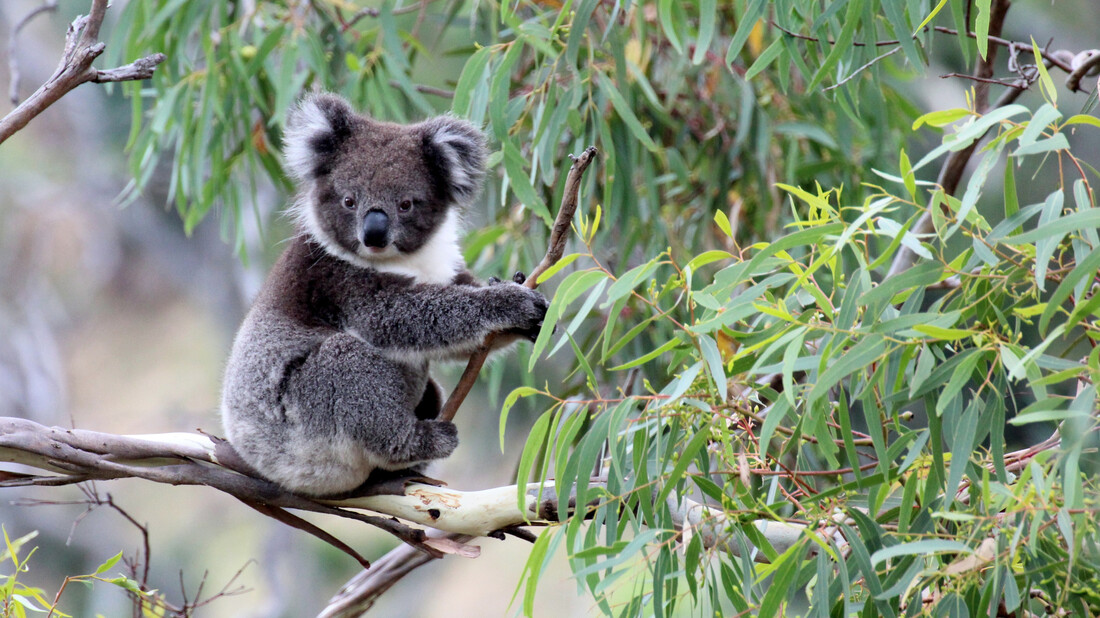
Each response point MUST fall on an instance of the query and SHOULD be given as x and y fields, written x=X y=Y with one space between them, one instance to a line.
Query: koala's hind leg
x=347 y=392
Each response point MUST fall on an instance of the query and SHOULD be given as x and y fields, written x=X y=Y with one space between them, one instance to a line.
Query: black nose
x=376 y=227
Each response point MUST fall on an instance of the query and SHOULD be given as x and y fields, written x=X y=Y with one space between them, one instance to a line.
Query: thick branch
x=75 y=68
x=67 y=456
x=558 y=235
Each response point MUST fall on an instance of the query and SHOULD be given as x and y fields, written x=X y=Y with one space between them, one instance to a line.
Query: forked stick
x=554 y=251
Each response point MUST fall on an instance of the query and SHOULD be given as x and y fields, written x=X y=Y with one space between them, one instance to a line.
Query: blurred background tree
x=727 y=328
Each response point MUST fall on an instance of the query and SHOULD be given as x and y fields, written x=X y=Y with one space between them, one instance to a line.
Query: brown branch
x=194 y=459
x=558 y=236
x=75 y=68
x=361 y=592
x=1084 y=63
x=951 y=172
x=983 y=80
x=175 y=459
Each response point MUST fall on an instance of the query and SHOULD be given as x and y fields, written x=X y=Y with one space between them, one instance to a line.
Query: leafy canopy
x=726 y=329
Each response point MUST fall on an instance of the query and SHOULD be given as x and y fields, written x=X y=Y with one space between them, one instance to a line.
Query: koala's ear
x=455 y=151
x=315 y=130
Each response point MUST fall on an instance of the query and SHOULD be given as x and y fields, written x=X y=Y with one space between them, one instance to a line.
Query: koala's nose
x=376 y=226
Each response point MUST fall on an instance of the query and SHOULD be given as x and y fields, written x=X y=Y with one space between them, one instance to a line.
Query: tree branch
x=951 y=172
x=558 y=235
x=13 y=62
x=81 y=49
x=67 y=456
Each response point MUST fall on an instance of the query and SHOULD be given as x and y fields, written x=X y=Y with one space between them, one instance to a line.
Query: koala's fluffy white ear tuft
x=315 y=128
x=456 y=150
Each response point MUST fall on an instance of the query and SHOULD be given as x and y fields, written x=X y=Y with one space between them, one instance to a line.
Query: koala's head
x=374 y=192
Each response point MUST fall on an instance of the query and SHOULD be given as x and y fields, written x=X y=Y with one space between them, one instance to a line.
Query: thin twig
x=558 y=236
x=984 y=80
x=863 y=68
x=75 y=68
x=996 y=40
x=13 y=61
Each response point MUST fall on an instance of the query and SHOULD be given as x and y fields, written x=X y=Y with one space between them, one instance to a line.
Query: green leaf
x=1061 y=226
x=765 y=59
x=1083 y=119
x=745 y=24
x=521 y=185
x=645 y=358
x=981 y=28
x=571 y=288
x=920 y=548
x=556 y=268
x=959 y=378
x=708 y=10
x=945 y=334
x=895 y=13
x=855 y=359
x=930 y=17
x=472 y=74
x=686 y=456
x=723 y=222
x=713 y=357
x=1086 y=268
x=625 y=111
x=707 y=257
x=907 y=175
x=108 y=565
x=843 y=44
x=509 y=401
x=664 y=13
x=532 y=448
x=917 y=276
x=1057 y=142
x=942 y=118
x=781 y=587
x=1046 y=84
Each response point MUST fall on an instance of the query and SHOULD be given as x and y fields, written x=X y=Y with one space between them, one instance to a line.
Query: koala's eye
x=349 y=201
x=405 y=205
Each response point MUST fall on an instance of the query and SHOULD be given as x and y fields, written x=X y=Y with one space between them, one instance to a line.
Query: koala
x=328 y=378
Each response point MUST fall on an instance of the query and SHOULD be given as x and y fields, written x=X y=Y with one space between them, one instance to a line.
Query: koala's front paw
x=523 y=309
x=438 y=439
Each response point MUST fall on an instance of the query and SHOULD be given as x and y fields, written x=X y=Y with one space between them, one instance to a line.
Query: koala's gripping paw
x=524 y=309
x=437 y=439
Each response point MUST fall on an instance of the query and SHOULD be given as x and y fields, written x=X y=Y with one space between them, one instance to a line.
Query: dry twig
x=82 y=47
x=558 y=235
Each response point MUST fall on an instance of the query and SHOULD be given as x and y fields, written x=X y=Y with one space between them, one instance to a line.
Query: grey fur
x=329 y=374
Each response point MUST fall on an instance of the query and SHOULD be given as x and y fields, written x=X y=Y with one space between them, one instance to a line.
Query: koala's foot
x=431 y=439
x=389 y=483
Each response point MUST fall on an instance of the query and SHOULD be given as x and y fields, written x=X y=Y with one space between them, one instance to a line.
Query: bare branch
x=67 y=456
x=75 y=68
x=558 y=236
x=1084 y=63
x=13 y=62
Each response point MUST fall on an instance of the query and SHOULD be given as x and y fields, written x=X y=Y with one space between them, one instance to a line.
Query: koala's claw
x=519 y=277
x=494 y=280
